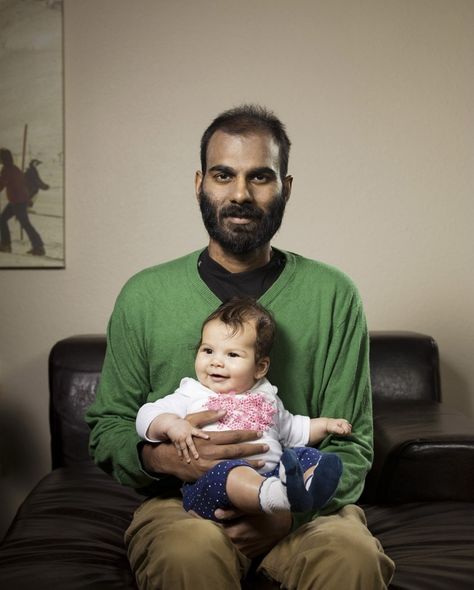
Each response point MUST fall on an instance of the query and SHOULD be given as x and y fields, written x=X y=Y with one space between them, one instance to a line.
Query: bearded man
x=319 y=364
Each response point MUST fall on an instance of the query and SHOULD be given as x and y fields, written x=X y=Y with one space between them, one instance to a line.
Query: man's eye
x=222 y=177
x=260 y=178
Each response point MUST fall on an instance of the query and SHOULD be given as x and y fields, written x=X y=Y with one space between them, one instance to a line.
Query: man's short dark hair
x=241 y=310
x=246 y=119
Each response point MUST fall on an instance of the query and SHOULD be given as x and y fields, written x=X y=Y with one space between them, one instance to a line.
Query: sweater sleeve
x=114 y=443
x=347 y=394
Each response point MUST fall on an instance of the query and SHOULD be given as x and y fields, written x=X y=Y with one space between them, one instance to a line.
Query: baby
x=231 y=363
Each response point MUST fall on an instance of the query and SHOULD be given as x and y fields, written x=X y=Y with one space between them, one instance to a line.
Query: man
x=13 y=179
x=319 y=363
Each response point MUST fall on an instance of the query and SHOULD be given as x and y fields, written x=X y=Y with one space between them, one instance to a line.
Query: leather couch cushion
x=432 y=544
x=424 y=451
x=69 y=534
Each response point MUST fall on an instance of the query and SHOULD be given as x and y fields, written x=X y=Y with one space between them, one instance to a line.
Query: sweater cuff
x=151 y=475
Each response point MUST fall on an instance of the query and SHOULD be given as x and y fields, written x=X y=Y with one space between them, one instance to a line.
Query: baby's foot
x=318 y=489
x=323 y=482
x=292 y=477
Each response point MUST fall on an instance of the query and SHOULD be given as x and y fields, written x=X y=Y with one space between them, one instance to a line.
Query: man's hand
x=232 y=444
x=255 y=534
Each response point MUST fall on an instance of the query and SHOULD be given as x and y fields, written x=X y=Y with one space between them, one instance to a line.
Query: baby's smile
x=217 y=377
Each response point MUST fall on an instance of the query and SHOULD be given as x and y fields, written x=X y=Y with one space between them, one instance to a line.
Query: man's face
x=241 y=195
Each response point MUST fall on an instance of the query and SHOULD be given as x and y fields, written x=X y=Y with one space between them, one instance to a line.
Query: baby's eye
x=207 y=350
x=233 y=355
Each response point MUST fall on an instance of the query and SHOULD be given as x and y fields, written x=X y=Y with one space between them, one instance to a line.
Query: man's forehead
x=250 y=149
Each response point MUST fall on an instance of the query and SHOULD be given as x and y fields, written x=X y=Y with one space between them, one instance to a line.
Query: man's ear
x=198 y=178
x=262 y=367
x=287 y=184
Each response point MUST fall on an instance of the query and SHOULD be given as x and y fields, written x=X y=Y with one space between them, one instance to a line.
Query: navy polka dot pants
x=208 y=493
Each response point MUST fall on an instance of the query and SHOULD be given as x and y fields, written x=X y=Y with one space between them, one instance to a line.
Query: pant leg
x=169 y=549
x=7 y=213
x=209 y=493
x=307 y=456
x=330 y=553
x=21 y=212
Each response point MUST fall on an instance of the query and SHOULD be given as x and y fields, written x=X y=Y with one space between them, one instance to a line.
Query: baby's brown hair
x=237 y=311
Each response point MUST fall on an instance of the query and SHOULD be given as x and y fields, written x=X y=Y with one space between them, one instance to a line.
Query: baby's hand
x=181 y=433
x=338 y=426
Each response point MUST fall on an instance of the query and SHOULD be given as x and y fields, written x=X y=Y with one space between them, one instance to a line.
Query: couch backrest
x=404 y=366
x=74 y=370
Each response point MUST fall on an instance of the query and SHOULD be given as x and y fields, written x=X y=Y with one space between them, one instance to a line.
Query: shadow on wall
x=20 y=460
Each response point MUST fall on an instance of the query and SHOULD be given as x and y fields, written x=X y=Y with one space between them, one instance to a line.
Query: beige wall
x=377 y=96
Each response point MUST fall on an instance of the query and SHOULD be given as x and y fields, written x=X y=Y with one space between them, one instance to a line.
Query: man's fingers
x=229 y=514
x=178 y=448
x=239 y=451
x=213 y=451
x=199 y=433
x=232 y=437
x=200 y=419
x=192 y=448
x=185 y=452
x=256 y=464
x=218 y=448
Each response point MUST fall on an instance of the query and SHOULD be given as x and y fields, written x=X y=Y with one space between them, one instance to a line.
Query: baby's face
x=225 y=362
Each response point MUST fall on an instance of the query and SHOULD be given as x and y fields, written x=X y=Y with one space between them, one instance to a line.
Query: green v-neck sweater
x=319 y=361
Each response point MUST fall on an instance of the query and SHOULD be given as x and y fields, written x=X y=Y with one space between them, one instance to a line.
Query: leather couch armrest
x=424 y=451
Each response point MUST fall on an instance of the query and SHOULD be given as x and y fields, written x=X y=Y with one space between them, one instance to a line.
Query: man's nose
x=242 y=193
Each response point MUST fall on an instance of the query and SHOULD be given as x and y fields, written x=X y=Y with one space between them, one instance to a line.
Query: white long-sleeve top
x=258 y=409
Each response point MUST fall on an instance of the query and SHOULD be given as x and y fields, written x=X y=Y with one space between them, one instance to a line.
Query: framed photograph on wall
x=31 y=134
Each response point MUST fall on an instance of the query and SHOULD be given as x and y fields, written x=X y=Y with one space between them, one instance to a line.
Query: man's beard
x=245 y=238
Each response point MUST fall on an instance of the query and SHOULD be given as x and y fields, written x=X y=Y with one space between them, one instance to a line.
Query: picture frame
x=32 y=200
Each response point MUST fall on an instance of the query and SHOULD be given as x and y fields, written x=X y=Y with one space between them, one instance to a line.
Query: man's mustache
x=246 y=210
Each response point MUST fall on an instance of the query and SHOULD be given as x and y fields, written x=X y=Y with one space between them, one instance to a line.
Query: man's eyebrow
x=262 y=171
x=222 y=168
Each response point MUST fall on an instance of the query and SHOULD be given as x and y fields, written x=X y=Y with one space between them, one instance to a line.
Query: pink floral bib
x=249 y=412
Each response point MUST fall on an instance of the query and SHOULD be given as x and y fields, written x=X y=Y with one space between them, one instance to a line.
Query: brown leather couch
x=418 y=498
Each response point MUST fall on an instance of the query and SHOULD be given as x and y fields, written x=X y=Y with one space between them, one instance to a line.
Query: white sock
x=272 y=496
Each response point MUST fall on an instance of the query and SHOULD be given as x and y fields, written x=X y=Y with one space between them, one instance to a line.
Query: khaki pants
x=170 y=550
